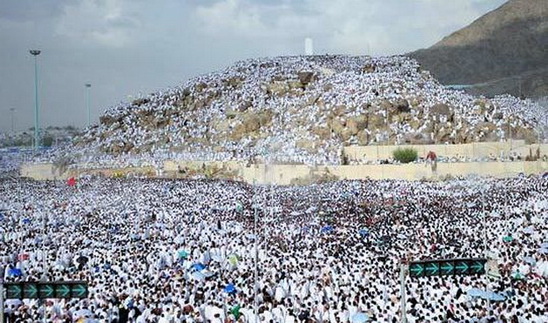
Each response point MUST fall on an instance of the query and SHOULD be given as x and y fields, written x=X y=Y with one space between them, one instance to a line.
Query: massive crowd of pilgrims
x=156 y=250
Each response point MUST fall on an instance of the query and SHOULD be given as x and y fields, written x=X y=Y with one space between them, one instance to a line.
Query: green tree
x=47 y=141
x=405 y=155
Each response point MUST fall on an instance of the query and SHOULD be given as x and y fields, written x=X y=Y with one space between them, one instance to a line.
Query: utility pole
x=2 y=296
x=12 y=110
x=485 y=189
x=387 y=139
x=509 y=137
x=256 y=271
x=44 y=273
x=35 y=53
x=403 y=270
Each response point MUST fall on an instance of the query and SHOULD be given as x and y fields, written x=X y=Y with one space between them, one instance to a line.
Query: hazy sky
x=127 y=47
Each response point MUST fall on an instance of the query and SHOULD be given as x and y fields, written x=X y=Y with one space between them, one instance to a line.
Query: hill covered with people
x=304 y=109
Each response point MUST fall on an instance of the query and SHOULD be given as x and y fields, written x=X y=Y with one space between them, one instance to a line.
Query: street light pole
x=256 y=275
x=12 y=120
x=88 y=86
x=12 y=110
x=35 y=53
x=403 y=272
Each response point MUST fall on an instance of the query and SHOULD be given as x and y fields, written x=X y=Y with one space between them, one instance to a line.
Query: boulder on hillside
x=233 y=82
x=108 y=120
x=375 y=121
x=139 y=102
x=336 y=125
x=306 y=77
x=363 y=138
x=356 y=124
x=306 y=145
x=529 y=135
x=352 y=125
x=322 y=132
x=200 y=86
x=402 y=106
x=497 y=116
x=442 y=136
x=441 y=109
x=277 y=88
x=369 y=68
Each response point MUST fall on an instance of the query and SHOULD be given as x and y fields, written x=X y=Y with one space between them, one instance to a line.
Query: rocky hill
x=504 y=51
x=304 y=110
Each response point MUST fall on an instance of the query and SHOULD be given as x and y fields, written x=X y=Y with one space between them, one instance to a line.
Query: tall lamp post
x=88 y=86
x=12 y=110
x=35 y=53
x=256 y=260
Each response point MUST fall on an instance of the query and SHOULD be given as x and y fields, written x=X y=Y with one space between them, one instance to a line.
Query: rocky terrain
x=503 y=51
x=304 y=110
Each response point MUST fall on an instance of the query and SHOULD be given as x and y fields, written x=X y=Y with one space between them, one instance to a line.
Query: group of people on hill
x=262 y=107
x=193 y=251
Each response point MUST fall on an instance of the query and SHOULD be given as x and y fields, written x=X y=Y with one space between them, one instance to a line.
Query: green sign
x=46 y=291
x=79 y=290
x=43 y=290
x=14 y=291
x=30 y=290
x=444 y=267
x=62 y=291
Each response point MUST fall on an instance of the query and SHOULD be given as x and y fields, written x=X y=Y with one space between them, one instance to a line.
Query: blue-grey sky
x=127 y=47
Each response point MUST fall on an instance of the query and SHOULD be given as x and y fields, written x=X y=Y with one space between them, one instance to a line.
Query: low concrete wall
x=114 y=172
x=473 y=150
x=420 y=171
x=39 y=172
x=286 y=174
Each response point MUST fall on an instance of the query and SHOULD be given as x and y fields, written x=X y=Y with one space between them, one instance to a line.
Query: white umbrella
x=359 y=318
x=198 y=276
x=217 y=258
x=542 y=269
x=82 y=313
x=207 y=273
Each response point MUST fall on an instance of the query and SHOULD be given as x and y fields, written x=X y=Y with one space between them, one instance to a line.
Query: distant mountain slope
x=504 y=51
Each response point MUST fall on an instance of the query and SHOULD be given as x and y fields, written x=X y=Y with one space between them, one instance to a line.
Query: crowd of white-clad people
x=183 y=251
x=172 y=123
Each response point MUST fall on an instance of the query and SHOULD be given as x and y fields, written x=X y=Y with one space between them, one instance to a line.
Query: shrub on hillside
x=405 y=155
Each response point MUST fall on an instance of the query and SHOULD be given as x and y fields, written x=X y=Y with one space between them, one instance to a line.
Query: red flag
x=71 y=181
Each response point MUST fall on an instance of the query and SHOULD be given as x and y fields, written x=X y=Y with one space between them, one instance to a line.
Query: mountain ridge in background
x=504 y=51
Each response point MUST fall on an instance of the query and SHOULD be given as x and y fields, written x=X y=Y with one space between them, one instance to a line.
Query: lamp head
x=88 y=85
x=35 y=52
